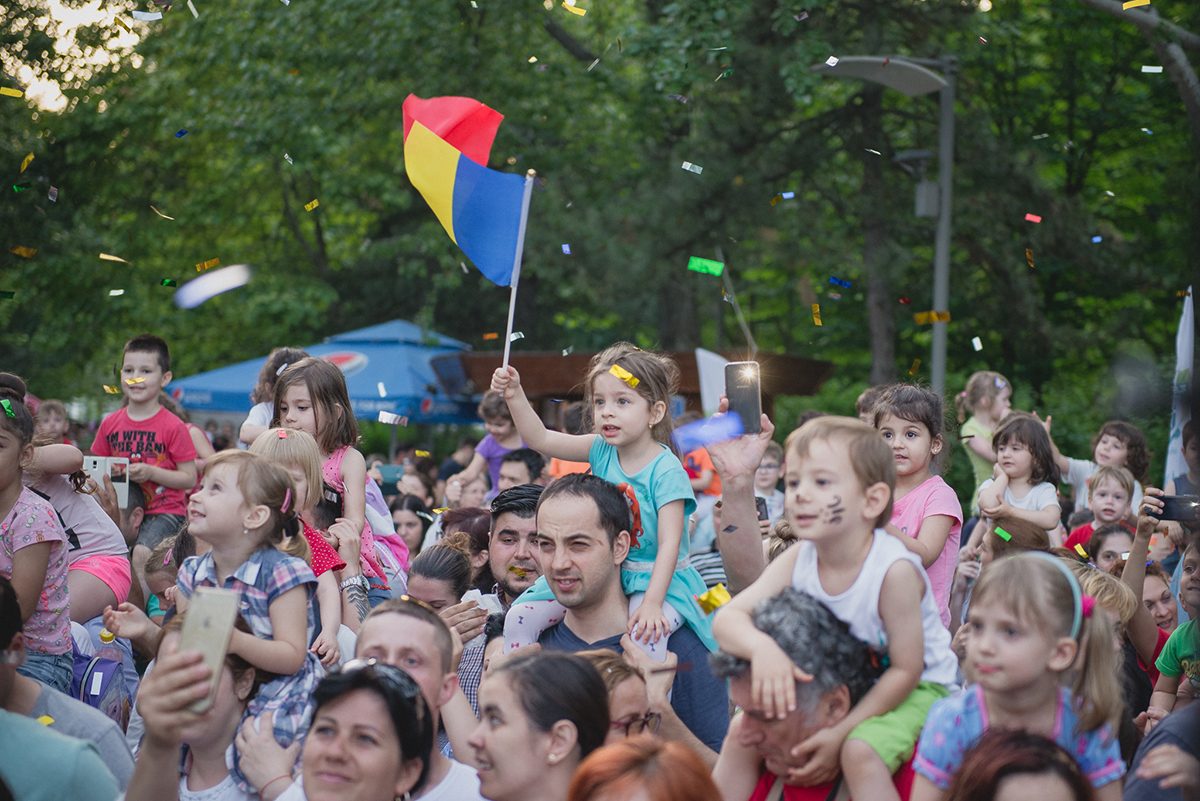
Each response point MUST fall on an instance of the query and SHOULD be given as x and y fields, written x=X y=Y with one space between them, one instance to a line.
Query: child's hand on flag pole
x=506 y=381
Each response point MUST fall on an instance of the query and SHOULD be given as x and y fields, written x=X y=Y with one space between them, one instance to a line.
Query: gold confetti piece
x=111 y=390
x=110 y=257
x=207 y=265
x=1134 y=4
x=579 y=12
x=491 y=335
x=129 y=382
x=916 y=365
x=123 y=24
x=421 y=454
x=312 y=204
x=441 y=510
x=25 y=162
x=7 y=92
x=1079 y=548
x=45 y=720
x=623 y=374
x=714 y=599
x=23 y=252
x=816 y=314
x=160 y=214
x=1029 y=257
x=927 y=317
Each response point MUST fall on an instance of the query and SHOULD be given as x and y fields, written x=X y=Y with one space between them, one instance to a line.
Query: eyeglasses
x=646 y=723
x=408 y=599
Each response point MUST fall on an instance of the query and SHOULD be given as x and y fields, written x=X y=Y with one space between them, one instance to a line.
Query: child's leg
x=878 y=746
x=865 y=774
x=656 y=650
x=526 y=621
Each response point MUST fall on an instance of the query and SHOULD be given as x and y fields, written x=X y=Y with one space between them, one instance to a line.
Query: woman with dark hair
x=411 y=518
x=1013 y=765
x=540 y=716
x=644 y=768
x=473 y=525
x=370 y=739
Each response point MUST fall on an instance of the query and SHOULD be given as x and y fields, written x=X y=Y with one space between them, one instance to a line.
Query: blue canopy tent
x=388 y=368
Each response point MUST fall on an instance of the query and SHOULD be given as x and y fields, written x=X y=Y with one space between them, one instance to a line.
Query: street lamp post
x=913 y=77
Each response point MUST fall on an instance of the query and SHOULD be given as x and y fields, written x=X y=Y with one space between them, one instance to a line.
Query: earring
x=553 y=759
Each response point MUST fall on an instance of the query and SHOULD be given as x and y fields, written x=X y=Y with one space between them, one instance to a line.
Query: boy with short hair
x=1110 y=499
x=840 y=478
x=766 y=481
x=52 y=422
x=162 y=458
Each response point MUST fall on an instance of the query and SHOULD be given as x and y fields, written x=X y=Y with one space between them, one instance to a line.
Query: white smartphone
x=117 y=470
x=207 y=628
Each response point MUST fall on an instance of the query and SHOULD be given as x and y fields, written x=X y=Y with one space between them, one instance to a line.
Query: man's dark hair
x=149 y=343
x=612 y=508
x=534 y=462
x=136 y=499
x=521 y=500
x=10 y=613
x=819 y=644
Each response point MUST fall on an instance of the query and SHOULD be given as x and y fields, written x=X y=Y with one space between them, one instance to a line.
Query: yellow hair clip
x=623 y=374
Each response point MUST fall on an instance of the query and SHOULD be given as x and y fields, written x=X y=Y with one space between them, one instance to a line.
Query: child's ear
x=877 y=497
x=658 y=410
x=935 y=445
x=167 y=376
x=256 y=517
x=1065 y=650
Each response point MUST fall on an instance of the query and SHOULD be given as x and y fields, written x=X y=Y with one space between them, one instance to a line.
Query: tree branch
x=1148 y=22
x=569 y=42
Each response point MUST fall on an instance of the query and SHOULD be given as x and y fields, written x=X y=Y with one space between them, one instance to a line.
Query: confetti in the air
x=192 y=9
x=21 y=187
x=1041 y=136
x=53 y=194
x=515 y=335
x=595 y=63
x=904 y=301
x=288 y=159
x=690 y=167
x=147 y=16
x=532 y=59
x=129 y=382
x=928 y=317
x=566 y=249
x=816 y=314
x=831 y=61
x=977 y=343
x=23 y=252
x=182 y=132
x=1151 y=70
x=168 y=282
x=1097 y=239
x=207 y=265
x=25 y=162
x=1029 y=258
x=1148 y=132
x=1134 y=4
x=211 y=284
x=381 y=389
x=9 y=92
x=718 y=428
x=916 y=365
x=872 y=150
x=1033 y=218
x=982 y=40
x=123 y=24
x=392 y=419
x=1079 y=550
x=706 y=266
x=843 y=283
x=569 y=5
x=160 y=214
x=312 y=204
x=567 y=351
x=491 y=335
x=110 y=257
x=110 y=390
x=113 y=293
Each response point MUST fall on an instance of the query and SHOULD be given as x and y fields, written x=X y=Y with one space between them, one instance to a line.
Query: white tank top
x=858 y=606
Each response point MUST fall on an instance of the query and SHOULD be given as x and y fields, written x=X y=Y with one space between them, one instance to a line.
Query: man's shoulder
x=74 y=718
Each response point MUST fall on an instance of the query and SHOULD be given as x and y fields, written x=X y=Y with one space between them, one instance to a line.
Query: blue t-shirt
x=39 y=764
x=956 y=723
x=699 y=698
x=1180 y=729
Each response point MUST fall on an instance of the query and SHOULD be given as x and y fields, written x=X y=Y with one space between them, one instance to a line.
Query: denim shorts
x=53 y=670
x=156 y=528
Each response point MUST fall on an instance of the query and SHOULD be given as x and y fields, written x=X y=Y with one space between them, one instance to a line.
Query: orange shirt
x=696 y=463
x=561 y=467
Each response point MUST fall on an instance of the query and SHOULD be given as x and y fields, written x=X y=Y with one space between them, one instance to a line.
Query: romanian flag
x=447 y=141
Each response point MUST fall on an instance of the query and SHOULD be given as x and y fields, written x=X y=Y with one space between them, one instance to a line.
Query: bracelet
x=354 y=581
x=263 y=790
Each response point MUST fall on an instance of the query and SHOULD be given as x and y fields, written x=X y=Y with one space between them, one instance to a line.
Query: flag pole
x=516 y=273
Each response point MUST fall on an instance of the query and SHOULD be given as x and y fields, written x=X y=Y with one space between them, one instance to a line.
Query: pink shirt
x=31 y=521
x=933 y=496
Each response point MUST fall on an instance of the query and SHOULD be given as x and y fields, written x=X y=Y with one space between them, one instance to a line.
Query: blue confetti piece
x=844 y=284
x=566 y=249
x=787 y=195
x=1096 y=240
x=182 y=132
x=718 y=428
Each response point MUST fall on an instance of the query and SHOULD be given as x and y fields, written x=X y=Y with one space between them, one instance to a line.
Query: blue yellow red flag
x=447 y=141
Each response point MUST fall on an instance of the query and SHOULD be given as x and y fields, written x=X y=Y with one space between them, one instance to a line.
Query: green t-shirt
x=981 y=467
x=1181 y=655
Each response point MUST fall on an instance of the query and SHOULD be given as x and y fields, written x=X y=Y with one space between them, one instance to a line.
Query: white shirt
x=461 y=784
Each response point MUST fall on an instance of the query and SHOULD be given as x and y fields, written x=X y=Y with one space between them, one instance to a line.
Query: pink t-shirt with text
x=161 y=441
x=933 y=496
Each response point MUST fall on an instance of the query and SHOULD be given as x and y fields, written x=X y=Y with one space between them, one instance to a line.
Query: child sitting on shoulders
x=1110 y=500
x=839 y=480
x=1025 y=477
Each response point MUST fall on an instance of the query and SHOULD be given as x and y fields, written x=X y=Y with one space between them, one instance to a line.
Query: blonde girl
x=987 y=399
x=311 y=396
x=1041 y=659
x=627 y=392
x=298 y=454
x=243 y=509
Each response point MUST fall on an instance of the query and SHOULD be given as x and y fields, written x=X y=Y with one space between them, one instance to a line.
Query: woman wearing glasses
x=370 y=737
x=628 y=705
x=540 y=715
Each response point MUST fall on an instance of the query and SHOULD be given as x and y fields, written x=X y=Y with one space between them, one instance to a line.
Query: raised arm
x=571 y=447
x=61 y=459
x=1143 y=632
x=739 y=538
x=1064 y=464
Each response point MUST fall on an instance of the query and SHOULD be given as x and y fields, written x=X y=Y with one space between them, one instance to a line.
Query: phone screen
x=744 y=393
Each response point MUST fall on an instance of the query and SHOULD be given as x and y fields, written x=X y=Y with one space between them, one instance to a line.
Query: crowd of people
x=584 y=613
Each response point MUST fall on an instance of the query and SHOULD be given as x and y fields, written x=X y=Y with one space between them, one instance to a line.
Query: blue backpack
x=100 y=683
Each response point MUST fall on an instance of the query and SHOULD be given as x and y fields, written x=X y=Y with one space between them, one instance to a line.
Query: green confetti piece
x=1004 y=535
x=706 y=266
x=168 y=282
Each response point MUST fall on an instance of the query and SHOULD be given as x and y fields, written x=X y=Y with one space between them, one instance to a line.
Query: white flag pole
x=516 y=273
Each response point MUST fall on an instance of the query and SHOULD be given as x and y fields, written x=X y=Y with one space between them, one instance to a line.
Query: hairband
x=167 y=559
x=623 y=374
x=8 y=409
x=287 y=500
x=1084 y=604
x=282 y=367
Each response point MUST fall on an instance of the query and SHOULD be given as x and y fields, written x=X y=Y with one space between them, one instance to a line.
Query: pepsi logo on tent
x=349 y=361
